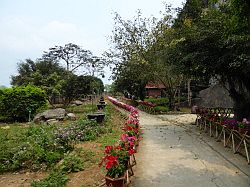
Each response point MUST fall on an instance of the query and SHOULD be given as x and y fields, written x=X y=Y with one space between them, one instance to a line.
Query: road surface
x=174 y=153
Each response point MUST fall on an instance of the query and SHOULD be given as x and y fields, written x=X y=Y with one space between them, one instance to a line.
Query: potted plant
x=243 y=126
x=116 y=164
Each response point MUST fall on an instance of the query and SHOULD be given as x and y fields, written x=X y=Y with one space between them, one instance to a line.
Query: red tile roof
x=153 y=85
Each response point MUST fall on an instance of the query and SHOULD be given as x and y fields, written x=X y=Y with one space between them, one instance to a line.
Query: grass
x=35 y=147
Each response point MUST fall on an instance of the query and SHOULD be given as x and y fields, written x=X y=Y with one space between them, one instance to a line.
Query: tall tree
x=138 y=50
x=218 y=46
x=75 y=57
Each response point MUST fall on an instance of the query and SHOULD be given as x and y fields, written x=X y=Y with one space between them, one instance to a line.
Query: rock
x=71 y=116
x=52 y=121
x=39 y=118
x=77 y=102
x=58 y=114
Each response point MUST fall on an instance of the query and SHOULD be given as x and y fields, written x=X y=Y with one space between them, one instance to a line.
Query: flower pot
x=115 y=182
x=99 y=117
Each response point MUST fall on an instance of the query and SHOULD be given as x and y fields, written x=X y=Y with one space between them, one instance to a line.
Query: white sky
x=29 y=27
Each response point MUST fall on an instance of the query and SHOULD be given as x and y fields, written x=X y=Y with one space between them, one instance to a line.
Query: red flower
x=108 y=149
x=111 y=161
x=119 y=147
x=131 y=151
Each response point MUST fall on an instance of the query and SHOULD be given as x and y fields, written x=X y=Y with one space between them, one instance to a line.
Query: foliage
x=55 y=179
x=78 y=86
x=206 y=40
x=138 y=55
x=56 y=81
x=161 y=109
x=33 y=148
x=82 y=130
x=158 y=101
x=72 y=162
x=39 y=147
x=48 y=75
x=17 y=103
x=218 y=46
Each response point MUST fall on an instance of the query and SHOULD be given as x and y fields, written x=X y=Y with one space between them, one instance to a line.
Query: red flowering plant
x=115 y=161
x=128 y=143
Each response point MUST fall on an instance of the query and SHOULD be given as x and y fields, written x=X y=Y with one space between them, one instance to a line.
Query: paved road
x=174 y=153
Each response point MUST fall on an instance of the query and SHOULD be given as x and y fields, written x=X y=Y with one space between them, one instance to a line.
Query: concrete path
x=174 y=153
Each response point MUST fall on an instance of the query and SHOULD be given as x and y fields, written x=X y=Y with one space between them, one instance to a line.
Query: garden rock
x=77 y=102
x=58 y=114
x=52 y=121
x=71 y=116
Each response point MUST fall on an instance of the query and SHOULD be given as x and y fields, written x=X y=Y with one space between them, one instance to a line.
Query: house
x=155 y=90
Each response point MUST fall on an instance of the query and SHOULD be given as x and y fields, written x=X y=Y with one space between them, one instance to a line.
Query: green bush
x=158 y=101
x=16 y=102
x=161 y=109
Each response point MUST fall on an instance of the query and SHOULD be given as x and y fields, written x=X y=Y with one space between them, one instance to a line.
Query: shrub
x=161 y=109
x=158 y=101
x=17 y=102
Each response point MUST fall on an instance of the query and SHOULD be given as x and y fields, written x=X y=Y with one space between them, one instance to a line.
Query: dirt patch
x=20 y=179
x=89 y=177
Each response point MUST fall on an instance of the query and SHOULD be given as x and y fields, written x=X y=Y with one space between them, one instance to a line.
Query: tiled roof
x=153 y=85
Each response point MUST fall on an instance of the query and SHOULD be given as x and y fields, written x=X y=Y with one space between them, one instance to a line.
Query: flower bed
x=117 y=157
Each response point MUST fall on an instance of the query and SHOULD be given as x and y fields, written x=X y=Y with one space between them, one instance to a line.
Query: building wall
x=154 y=93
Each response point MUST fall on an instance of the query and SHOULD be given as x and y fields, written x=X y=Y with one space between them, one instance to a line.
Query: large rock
x=58 y=114
x=215 y=96
x=77 y=102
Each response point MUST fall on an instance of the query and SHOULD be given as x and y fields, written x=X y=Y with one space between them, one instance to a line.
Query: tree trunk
x=241 y=100
x=241 y=110
x=171 y=99
x=189 y=92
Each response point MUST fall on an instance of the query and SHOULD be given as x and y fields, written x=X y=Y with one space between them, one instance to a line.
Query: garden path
x=174 y=153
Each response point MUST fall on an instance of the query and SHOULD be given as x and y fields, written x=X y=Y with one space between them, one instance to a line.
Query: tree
x=76 y=57
x=137 y=51
x=218 y=46
x=78 y=86
x=47 y=75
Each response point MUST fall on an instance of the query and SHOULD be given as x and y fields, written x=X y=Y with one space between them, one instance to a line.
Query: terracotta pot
x=115 y=182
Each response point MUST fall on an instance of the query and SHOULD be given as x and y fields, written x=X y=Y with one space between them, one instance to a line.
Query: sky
x=29 y=27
